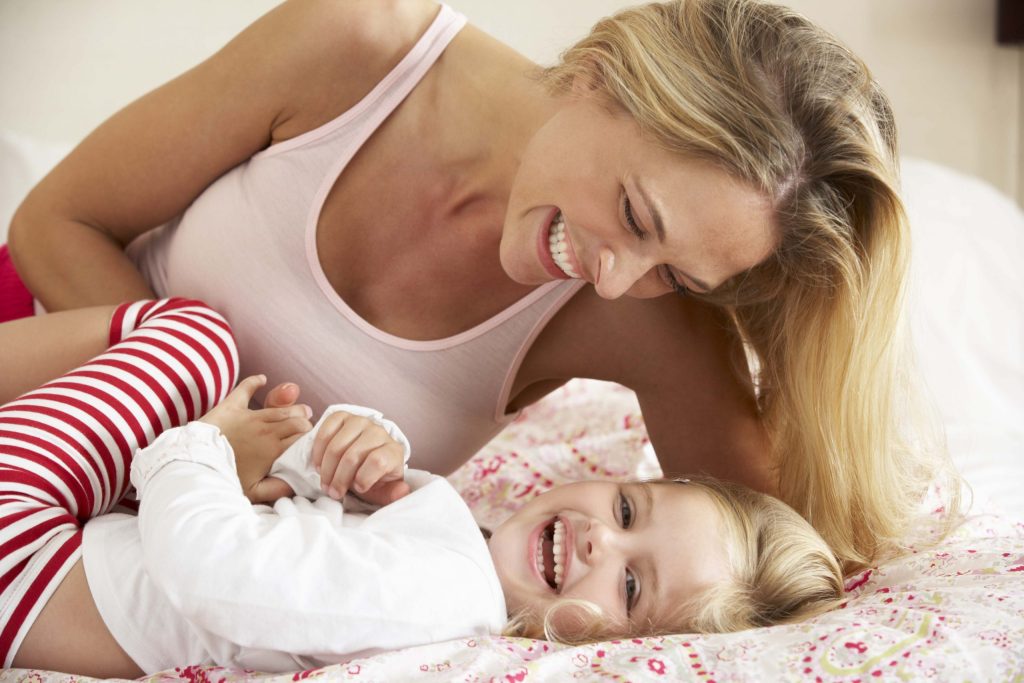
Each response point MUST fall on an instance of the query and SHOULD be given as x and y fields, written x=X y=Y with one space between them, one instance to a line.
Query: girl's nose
x=597 y=541
x=615 y=276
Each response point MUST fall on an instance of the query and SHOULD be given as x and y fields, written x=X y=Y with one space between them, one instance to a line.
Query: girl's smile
x=631 y=550
x=550 y=549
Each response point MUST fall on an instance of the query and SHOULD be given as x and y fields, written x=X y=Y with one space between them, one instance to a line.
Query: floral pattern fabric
x=951 y=611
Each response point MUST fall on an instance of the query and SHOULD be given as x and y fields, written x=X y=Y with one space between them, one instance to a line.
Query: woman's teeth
x=558 y=550
x=560 y=248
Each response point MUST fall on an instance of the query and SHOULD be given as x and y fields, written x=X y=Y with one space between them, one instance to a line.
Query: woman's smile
x=561 y=249
x=543 y=244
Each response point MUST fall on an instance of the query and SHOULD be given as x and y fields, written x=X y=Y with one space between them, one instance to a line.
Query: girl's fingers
x=282 y=395
x=293 y=426
x=243 y=393
x=278 y=414
x=324 y=435
x=342 y=438
x=353 y=459
x=386 y=492
x=377 y=466
x=335 y=452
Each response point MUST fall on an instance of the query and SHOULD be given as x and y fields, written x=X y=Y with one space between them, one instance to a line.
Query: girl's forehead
x=686 y=544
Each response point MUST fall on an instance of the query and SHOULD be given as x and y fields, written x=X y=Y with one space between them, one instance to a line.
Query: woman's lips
x=544 y=250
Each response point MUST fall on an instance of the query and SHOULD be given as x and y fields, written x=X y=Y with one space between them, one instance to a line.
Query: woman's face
x=627 y=216
x=631 y=549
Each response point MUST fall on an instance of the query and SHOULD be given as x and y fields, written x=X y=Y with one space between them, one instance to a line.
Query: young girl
x=203 y=576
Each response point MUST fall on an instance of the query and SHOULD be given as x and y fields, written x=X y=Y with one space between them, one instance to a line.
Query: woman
x=344 y=181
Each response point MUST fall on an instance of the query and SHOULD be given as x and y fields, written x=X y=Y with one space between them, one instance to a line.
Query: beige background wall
x=67 y=64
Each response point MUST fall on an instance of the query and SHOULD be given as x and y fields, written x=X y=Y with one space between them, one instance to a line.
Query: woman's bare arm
x=684 y=363
x=300 y=65
x=36 y=350
x=697 y=400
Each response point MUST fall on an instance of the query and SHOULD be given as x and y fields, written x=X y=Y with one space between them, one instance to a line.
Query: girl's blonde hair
x=780 y=571
x=780 y=104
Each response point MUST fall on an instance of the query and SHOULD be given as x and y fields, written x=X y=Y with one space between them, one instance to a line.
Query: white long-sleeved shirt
x=203 y=576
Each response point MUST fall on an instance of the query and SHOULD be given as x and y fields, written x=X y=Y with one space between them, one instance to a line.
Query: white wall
x=67 y=64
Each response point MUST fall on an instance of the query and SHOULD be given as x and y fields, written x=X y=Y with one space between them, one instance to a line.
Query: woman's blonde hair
x=780 y=104
x=780 y=571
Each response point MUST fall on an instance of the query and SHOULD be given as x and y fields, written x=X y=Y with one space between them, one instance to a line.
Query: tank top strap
x=364 y=117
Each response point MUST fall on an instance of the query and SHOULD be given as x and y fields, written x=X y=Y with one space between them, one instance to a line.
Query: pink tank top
x=247 y=247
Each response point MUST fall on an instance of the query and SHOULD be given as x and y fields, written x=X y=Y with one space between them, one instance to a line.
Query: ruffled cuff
x=295 y=465
x=196 y=442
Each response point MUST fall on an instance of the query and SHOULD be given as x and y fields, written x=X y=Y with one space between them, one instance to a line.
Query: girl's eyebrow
x=649 y=594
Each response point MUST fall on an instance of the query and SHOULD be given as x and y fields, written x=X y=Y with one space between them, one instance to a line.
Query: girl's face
x=631 y=217
x=634 y=550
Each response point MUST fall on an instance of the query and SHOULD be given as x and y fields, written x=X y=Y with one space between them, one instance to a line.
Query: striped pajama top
x=66 y=448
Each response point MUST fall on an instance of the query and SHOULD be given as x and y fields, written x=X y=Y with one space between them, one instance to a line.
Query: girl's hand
x=353 y=452
x=258 y=437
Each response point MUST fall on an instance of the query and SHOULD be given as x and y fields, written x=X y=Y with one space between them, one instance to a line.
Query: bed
x=954 y=611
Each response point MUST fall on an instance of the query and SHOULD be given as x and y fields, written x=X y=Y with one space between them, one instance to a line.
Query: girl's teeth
x=560 y=248
x=559 y=545
x=557 y=552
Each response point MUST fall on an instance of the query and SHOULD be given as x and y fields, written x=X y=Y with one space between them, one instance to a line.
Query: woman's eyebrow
x=659 y=229
x=652 y=208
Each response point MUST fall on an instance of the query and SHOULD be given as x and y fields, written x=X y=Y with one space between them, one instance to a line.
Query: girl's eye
x=625 y=511
x=630 y=589
x=627 y=208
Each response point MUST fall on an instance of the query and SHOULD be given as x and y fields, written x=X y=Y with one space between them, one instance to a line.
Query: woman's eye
x=625 y=512
x=627 y=208
x=630 y=589
x=677 y=286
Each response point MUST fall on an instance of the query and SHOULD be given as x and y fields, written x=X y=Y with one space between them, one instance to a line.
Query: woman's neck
x=494 y=103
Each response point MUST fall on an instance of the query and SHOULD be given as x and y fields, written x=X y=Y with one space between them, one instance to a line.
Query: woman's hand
x=353 y=452
x=258 y=437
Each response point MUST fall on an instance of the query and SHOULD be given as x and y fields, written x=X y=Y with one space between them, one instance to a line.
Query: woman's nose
x=616 y=275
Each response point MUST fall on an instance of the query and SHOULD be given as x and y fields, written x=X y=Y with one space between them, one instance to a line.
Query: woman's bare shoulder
x=338 y=50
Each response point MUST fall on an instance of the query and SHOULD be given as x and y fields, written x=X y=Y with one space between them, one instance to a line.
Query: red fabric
x=15 y=299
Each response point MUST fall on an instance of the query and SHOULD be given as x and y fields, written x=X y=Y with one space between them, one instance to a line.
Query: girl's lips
x=543 y=250
x=568 y=544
